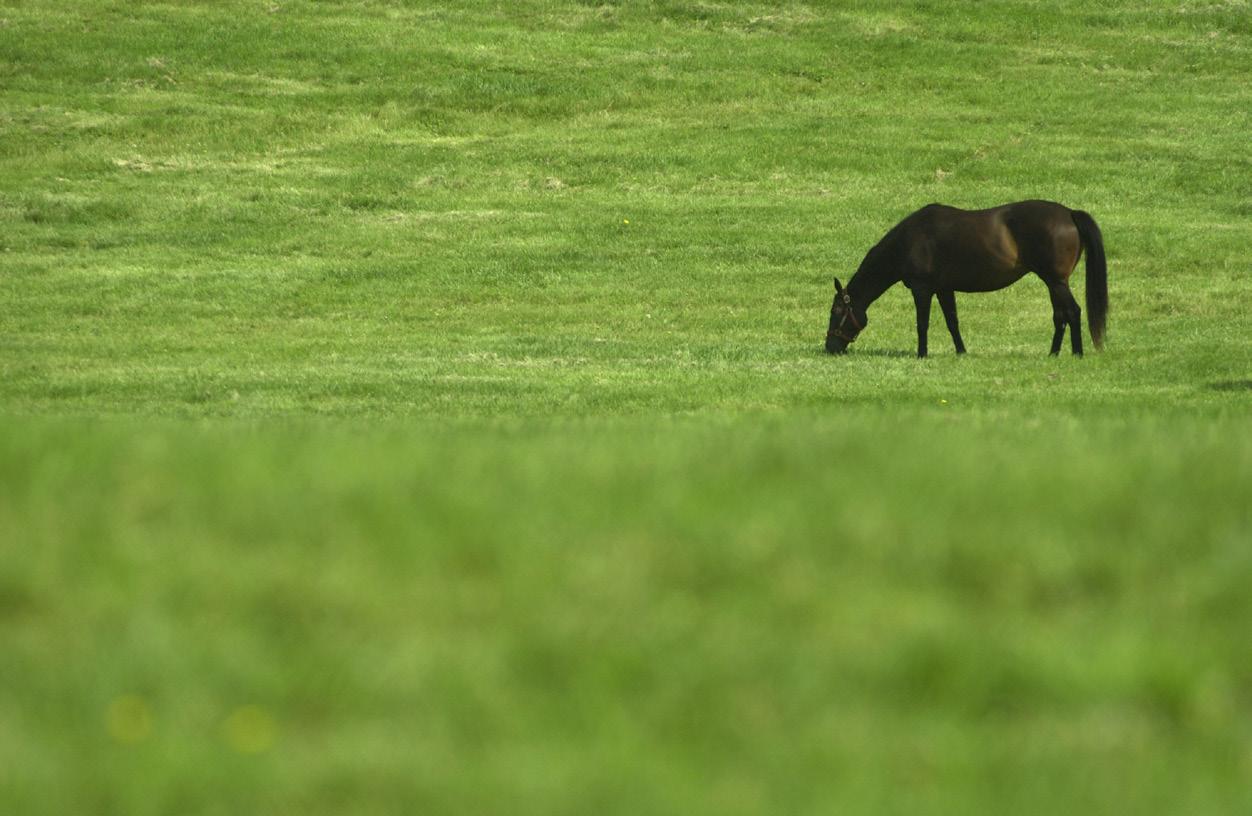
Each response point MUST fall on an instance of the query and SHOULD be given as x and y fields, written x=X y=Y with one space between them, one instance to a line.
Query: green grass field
x=421 y=408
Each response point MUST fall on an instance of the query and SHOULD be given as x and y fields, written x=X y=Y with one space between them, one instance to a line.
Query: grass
x=743 y=619
x=421 y=407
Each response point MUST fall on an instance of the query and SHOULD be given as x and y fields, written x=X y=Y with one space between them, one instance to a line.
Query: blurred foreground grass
x=901 y=612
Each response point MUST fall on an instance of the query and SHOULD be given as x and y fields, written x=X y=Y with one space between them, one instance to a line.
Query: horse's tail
x=1097 y=275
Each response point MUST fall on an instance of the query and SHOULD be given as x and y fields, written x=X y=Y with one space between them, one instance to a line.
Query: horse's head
x=846 y=321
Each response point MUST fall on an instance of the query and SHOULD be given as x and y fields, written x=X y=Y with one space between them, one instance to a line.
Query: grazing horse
x=940 y=250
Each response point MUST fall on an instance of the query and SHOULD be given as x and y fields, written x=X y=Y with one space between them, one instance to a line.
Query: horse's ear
x=838 y=288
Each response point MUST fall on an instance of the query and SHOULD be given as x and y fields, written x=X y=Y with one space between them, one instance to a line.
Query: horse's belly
x=981 y=280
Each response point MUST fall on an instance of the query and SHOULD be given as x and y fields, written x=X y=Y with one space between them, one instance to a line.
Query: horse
x=939 y=250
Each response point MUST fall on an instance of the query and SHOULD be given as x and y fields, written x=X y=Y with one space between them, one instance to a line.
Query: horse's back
x=984 y=250
x=1031 y=212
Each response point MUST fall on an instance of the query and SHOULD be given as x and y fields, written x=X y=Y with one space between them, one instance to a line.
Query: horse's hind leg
x=947 y=302
x=1065 y=311
x=1051 y=248
x=1075 y=323
x=1059 y=322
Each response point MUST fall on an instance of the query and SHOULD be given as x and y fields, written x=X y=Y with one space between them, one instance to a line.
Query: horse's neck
x=877 y=273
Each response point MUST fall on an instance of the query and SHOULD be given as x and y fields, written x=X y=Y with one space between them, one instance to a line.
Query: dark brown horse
x=940 y=250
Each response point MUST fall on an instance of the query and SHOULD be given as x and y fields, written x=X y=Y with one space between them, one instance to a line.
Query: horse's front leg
x=921 y=299
x=947 y=302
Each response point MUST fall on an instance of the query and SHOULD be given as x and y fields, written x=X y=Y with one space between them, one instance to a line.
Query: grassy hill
x=421 y=407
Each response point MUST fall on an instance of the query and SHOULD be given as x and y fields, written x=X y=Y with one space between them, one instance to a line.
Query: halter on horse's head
x=845 y=323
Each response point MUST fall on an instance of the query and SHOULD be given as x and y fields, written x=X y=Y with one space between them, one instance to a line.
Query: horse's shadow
x=883 y=353
x=1229 y=385
x=854 y=353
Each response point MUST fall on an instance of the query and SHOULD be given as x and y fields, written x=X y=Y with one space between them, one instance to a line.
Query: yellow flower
x=249 y=730
x=128 y=719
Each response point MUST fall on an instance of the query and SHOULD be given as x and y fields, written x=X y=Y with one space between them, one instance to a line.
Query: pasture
x=415 y=407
